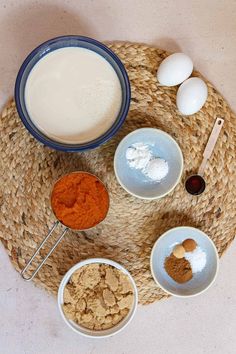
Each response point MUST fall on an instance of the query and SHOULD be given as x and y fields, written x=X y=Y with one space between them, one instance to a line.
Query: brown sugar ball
x=189 y=245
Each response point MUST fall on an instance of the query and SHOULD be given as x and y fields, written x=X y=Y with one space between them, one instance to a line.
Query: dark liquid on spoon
x=195 y=185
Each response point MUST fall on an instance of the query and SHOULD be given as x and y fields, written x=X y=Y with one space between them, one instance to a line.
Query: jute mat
x=29 y=169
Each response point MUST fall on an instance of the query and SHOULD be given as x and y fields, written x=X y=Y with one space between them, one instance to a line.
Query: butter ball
x=189 y=245
x=179 y=251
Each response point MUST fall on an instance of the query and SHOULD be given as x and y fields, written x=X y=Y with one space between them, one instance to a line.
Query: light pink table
x=204 y=29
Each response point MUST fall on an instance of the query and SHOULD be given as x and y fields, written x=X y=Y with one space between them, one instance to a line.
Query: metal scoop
x=195 y=184
x=57 y=223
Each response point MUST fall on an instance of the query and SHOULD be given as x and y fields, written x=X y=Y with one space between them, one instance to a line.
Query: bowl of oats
x=97 y=298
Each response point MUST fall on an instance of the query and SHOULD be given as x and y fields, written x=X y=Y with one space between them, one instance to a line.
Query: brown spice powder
x=178 y=269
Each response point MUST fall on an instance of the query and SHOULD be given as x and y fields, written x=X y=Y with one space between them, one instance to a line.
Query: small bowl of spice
x=184 y=261
x=148 y=163
x=97 y=298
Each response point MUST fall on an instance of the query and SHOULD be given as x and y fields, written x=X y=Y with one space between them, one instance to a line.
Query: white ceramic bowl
x=161 y=145
x=88 y=332
x=163 y=247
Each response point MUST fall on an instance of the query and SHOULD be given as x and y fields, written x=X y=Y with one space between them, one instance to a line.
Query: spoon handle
x=211 y=144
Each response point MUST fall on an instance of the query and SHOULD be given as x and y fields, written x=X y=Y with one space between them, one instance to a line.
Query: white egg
x=191 y=96
x=174 y=69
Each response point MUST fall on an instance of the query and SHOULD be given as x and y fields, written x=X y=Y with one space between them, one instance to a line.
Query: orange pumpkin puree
x=80 y=200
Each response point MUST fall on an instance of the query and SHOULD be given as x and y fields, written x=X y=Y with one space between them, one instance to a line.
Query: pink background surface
x=204 y=29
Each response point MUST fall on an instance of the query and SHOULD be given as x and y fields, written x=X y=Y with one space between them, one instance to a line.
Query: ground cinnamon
x=178 y=269
x=79 y=200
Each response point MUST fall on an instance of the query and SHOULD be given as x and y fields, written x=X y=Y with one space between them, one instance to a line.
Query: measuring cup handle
x=39 y=248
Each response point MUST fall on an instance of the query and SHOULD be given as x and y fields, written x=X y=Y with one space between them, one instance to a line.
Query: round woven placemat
x=29 y=169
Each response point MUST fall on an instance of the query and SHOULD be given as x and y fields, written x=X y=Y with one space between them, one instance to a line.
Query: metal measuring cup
x=56 y=223
x=195 y=184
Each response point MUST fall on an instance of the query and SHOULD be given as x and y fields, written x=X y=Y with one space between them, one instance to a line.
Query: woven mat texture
x=29 y=169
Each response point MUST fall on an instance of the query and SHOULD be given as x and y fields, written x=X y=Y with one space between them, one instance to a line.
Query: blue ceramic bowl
x=163 y=247
x=134 y=181
x=61 y=42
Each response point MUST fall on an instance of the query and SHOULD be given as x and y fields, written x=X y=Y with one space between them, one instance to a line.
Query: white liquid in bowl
x=73 y=95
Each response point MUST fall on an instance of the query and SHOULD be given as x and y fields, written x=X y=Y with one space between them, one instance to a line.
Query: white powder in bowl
x=156 y=169
x=197 y=259
x=140 y=157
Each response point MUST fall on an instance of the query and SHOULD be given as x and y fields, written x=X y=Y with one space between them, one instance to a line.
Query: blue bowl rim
x=73 y=147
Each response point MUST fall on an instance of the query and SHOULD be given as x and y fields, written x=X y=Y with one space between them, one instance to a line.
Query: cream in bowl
x=97 y=297
x=72 y=93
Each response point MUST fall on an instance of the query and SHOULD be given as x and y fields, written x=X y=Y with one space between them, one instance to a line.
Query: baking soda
x=140 y=157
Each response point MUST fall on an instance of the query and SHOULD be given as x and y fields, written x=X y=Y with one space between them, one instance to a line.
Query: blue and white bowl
x=200 y=281
x=134 y=181
x=62 y=42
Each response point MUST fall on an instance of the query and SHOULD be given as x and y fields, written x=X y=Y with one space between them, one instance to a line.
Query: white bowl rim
x=152 y=253
x=80 y=264
x=181 y=167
